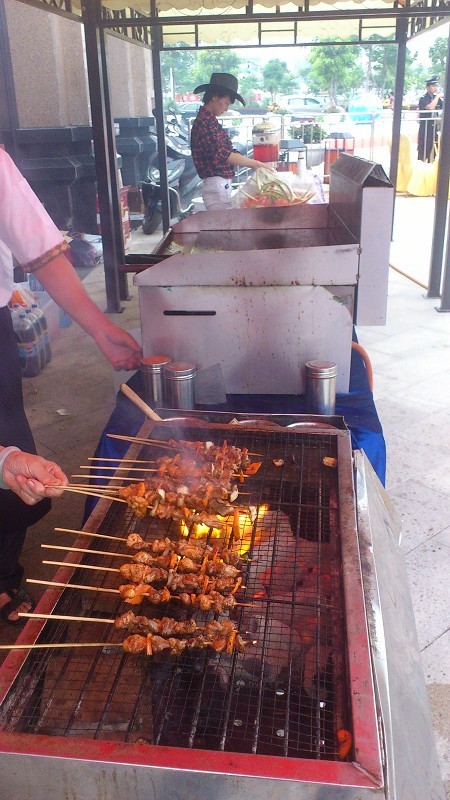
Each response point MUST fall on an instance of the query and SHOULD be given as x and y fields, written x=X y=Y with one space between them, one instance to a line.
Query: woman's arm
x=62 y=283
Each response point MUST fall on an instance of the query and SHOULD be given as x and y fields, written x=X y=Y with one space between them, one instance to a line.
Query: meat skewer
x=210 y=564
x=153 y=644
x=135 y=594
x=166 y=626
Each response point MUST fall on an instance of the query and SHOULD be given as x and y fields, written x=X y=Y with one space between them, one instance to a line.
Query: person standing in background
x=27 y=231
x=211 y=147
x=429 y=104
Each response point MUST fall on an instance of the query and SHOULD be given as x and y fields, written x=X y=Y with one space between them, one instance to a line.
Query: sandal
x=18 y=597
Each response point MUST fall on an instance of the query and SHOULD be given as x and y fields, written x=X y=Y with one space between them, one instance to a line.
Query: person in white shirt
x=27 y=231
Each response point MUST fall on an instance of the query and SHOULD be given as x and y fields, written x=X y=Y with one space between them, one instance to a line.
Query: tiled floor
x=70 y=402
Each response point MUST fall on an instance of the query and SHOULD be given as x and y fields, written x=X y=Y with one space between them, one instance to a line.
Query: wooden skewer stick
x=64 y=617
x=91 y=494
x=59 y=645
x=71 y=585
x=157 y=442
x=106 y=478
x=140 y=440
x=85 y=550
x=96 y=486
x=88 y=533
x=80 y=566
x=124 y=460
x=116 y=469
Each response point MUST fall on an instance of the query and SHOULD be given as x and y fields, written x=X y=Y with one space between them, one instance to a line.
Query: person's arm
x=237 y=159
x=30 y=476
x=433 y=103
x=62 y=283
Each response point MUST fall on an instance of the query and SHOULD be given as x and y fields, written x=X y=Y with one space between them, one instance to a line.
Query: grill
x=204 y=724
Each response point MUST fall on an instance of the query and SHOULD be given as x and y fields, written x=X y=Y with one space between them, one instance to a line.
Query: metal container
x=152 y=379
x=321 y=387
x=179 y=384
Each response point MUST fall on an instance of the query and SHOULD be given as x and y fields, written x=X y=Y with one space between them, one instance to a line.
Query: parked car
x=303 y=108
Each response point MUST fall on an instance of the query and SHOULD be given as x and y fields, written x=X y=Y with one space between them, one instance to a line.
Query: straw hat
x=225 y=82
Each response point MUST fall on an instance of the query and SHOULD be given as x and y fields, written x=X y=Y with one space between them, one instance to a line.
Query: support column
x=440 y=209
x=158 y=113
x=9 y=117
x=401 y=37
x=106 y=169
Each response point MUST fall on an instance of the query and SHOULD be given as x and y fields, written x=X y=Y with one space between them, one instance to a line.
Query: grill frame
x=365 y=774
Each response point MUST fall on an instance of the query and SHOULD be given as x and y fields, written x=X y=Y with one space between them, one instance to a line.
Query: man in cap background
x=212 y=149
x=429 y=103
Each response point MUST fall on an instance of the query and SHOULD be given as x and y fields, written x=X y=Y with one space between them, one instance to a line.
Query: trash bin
x=337 y=143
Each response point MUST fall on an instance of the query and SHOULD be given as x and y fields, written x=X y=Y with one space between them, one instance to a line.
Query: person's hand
x=121 y=350
x=32 y=477
x=263 y=165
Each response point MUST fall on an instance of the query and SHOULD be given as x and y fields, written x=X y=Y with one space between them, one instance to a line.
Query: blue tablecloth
x=357 y=407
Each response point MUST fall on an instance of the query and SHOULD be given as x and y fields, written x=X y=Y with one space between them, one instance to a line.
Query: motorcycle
x=183 y=181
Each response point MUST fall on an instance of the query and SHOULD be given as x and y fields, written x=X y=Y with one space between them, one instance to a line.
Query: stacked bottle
x=31 y=331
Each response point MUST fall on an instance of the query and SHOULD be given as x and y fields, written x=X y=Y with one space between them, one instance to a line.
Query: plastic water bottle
x=39 y=338
x=42 y=319
x=28 y=347
x=16 y=326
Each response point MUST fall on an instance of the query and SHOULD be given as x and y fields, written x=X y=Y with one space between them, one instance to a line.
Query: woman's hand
x=32 y=477
x=121 y=350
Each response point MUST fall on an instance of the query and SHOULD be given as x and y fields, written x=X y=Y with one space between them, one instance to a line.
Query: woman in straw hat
x=212 y=150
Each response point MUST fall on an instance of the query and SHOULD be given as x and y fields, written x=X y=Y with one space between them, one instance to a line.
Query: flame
x=244 y=522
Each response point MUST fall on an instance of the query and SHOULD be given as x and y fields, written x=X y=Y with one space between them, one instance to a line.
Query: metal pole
x=401 y=36
x=106 y=178
x=7 y=79
x=440 y=208
x=112 y=154
x=158 y=113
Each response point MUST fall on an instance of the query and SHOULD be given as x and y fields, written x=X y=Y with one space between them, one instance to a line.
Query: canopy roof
x=234 y=23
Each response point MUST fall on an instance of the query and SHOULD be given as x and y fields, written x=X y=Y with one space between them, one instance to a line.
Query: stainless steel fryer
x=334 y=642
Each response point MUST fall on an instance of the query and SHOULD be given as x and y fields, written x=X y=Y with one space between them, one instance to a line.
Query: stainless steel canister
x=179 y=384
x=152 y=380
x=321 y=387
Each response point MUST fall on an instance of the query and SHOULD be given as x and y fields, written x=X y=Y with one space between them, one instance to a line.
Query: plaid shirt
x=210 y=146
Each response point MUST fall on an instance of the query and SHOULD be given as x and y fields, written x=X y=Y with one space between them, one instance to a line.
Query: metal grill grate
x=285 y=695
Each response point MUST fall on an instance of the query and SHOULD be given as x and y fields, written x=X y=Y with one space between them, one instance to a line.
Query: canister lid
x=159 y=360
x=179 y=369
x=154 y=363
x=321 y=369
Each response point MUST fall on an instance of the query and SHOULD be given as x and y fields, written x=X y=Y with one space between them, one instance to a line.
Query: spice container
x=321 y=387
x=179 y=384
x=152 y=379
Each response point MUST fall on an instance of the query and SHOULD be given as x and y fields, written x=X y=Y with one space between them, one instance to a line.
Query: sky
x=424 y=41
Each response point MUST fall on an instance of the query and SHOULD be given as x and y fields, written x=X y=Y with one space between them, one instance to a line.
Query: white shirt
x=25 y=227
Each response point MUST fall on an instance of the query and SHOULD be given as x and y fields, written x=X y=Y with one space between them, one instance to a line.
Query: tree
x=335 y=69
x=438 y=57
x=276 y=78
x=179 y=64
x=382 y=65
x=209 y=61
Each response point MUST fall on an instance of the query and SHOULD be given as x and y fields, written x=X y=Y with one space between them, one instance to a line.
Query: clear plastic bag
x=265 y=188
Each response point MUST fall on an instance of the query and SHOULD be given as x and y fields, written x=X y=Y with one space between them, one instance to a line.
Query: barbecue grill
x=330 y=648
x=262 y=291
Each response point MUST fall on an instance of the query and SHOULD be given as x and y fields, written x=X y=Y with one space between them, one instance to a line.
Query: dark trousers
x=15 y=515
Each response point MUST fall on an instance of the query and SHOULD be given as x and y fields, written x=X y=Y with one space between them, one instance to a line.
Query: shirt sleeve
x=25 y=227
